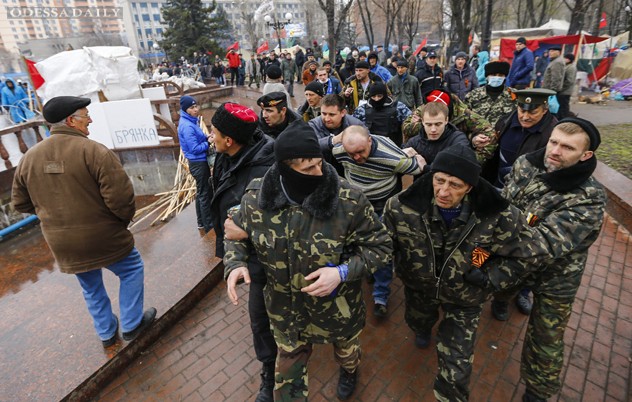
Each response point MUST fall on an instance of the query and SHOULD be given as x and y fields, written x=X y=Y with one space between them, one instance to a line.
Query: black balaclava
x=297 y=141
x=378 y=88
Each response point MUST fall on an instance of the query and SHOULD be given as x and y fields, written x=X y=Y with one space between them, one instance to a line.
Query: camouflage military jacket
x=335 y=224
x=429 y=256
x=567 y=207
x=467 y=121
x=491 y=109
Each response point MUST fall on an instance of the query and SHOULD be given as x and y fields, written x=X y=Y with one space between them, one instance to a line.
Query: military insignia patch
x=479 y=256
x=532 y=220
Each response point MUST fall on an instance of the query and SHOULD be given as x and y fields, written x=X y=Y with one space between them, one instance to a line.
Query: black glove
x=477 y=277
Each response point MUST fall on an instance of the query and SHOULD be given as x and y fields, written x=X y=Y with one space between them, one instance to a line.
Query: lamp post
x=278 y=25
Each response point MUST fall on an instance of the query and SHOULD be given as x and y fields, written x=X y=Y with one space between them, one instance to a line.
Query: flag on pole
x=603 y=22
x=264 y=47
x=36 y=77
x=422 y=44
x=234 y=46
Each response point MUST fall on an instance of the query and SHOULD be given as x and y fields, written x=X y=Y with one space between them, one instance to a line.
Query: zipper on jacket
x=426 y=225
x=465 y=233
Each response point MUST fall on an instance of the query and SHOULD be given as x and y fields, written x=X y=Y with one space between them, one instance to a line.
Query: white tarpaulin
x=84 y=72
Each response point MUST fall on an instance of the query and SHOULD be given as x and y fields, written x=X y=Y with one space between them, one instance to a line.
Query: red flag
x=603 y=22
x=422 y=44
x=263 y=47
x=234 y=46
x=36 y=77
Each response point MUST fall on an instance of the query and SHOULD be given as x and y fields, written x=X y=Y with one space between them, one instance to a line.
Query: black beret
x=273 y=72
x=298 y=140
x=588 y=127
x=60 y=107
x=556 y=47
x=316 y=87
x=363 y=64
x=497 y=67
x=402 y=63
x=273 y=99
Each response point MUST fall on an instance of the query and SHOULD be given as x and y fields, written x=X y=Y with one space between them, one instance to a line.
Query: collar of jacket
x=321 y=204
x=514 y=122
x=485 y=200
x=185 y=115
x=566 y=179
x=67 y=131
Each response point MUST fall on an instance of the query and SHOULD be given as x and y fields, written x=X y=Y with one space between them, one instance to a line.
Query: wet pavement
x=47 y=341
x=208 y=355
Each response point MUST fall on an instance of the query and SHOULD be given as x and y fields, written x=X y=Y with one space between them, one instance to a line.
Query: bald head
x=357 y=143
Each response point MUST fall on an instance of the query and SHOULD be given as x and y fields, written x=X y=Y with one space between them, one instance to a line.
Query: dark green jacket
x=430 y=257
x=335 y=224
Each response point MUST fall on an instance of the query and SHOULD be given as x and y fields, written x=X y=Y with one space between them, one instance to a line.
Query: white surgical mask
x=495 y=82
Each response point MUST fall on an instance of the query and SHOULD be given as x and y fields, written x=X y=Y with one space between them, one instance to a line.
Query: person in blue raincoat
x=15 y=101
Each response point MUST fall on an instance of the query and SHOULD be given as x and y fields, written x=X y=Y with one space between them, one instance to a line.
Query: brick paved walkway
x=208 y=356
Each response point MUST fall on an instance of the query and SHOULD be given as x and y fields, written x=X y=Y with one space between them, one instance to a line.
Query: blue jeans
x=383 y=277
x=130 y=271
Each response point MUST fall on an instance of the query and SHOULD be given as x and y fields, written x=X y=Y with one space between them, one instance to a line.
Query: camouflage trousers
x=543 y=348
x=455 y=340
x=290 y=377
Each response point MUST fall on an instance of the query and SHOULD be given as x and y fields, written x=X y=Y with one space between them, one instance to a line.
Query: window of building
x=154 y=5
x=148 y=32
x=143 y=5
x=157 y=17
x=146 y=17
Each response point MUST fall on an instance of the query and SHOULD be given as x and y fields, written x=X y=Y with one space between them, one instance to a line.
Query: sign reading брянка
x=123 y=124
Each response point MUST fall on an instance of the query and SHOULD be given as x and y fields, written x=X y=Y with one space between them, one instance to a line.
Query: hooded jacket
x=335 y=224
x=430 y=257
x=193 y=141
x=567 y=207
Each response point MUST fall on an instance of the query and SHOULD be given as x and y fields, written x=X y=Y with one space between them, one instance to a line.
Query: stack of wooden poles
x=172 y=202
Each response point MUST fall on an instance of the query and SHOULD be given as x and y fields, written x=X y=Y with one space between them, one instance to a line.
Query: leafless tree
x=460 y=23
x=409 y=18
x=578 y=14
x=390 y=9
x=367 y=23
x=334 y=25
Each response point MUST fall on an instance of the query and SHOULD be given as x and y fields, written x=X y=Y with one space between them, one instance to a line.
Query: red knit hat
x=236 y=121
x=438 y=96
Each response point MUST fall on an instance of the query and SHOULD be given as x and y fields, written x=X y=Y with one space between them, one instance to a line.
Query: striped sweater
x=378 y=176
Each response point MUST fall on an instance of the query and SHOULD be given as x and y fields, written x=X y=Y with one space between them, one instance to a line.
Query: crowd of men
x=305 y=205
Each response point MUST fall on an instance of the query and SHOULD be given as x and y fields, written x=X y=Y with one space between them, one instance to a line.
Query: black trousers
x=565 y=106
x=202 y=173
x=263 y=340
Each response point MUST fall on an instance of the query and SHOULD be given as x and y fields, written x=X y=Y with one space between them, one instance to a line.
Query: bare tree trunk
x=365 y=15
x=333 y=28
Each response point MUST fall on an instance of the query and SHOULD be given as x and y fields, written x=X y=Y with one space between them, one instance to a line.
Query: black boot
x=266 y=390
x=346 y=384
x=500 y=310
x=529 y=397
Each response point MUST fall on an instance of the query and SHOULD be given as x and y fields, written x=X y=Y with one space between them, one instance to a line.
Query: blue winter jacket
x=521 y=67
x=382 y=72
x=192 y=139
x=16 y=101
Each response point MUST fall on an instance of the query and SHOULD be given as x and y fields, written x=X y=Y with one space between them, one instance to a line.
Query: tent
x=538 y=46
x=551 y=28
x=622 y=65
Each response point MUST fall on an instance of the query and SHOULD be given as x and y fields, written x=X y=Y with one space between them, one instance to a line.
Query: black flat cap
x=60 y=107
x=363 y=64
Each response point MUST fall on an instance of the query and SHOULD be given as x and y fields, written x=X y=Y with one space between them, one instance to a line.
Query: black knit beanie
x=316 y=88
x=298 y=140
x=459 y=161
x=588 y=127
